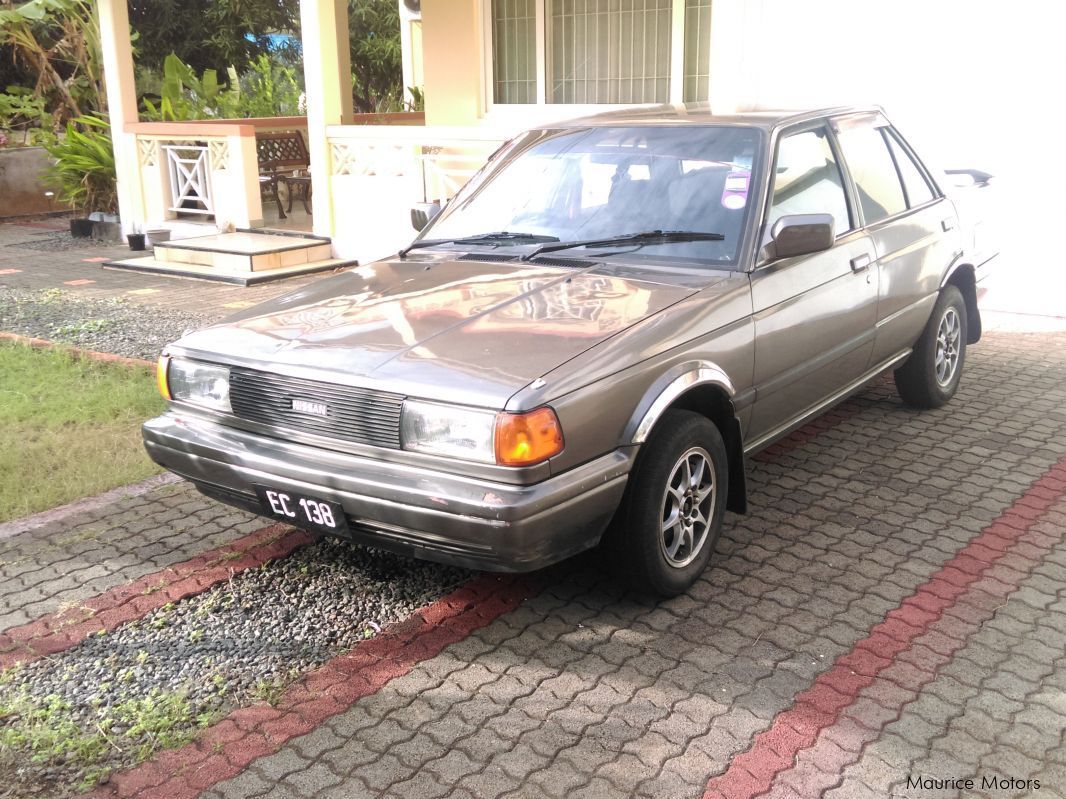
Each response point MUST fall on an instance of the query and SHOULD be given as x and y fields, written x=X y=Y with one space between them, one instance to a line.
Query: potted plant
x=84 y=171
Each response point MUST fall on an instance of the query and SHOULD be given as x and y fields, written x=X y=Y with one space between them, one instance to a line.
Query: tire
x=930 y=377
x=638 y=545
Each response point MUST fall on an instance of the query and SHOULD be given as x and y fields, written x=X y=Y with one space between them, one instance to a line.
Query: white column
x=407 y=57
x=122 y=108
x=328 y=78
x=235 y=181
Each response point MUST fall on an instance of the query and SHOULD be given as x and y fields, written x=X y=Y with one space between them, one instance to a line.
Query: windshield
x=601 y=182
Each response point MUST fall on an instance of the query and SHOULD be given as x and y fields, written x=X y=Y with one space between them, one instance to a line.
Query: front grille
x=352 y=414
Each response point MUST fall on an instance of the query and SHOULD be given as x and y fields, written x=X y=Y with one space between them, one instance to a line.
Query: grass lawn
x=69 y=428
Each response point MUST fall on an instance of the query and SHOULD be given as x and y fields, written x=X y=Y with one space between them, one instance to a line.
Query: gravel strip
x=189 y=663
x=59 y=241
x=107 y=325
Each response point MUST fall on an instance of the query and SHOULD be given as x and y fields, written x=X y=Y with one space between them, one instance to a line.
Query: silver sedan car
x=585 y=344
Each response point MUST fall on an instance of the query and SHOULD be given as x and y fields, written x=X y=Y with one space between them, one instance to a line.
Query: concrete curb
x=77 y=352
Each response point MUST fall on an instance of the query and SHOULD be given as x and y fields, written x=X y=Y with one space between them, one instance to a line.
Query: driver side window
x=807 y=180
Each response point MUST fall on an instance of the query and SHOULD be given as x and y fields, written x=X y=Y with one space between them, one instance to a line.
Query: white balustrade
x=190 y=179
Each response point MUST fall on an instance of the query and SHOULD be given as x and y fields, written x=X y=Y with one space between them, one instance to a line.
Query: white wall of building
x=953 y=72
x=972 y=83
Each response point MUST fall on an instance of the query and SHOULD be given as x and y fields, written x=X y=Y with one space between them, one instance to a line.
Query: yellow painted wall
x=452 y=52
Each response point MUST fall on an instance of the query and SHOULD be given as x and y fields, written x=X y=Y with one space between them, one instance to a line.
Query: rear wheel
x=930 y=377
x=672 y=513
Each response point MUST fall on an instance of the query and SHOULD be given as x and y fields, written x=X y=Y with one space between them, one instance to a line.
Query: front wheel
x=671 y=516
x=930 y=377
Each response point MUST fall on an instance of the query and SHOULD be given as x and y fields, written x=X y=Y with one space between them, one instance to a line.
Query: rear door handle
x=861 y=263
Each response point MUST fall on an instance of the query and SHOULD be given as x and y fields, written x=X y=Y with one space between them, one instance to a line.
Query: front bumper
x=427 y=514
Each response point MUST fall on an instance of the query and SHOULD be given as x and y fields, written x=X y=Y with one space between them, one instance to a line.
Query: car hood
x=452 y=329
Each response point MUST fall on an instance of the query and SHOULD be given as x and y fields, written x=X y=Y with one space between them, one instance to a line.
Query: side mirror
x=800 y=234
x=422 y=214
x=964 y=178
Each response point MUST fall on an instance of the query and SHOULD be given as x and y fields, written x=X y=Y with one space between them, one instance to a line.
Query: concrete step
x=235 y=253
x=243 y=277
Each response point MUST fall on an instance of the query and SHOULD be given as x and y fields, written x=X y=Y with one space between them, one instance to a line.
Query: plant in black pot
x=84 y=170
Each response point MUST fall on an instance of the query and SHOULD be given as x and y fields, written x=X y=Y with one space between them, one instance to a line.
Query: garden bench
x=280 y=155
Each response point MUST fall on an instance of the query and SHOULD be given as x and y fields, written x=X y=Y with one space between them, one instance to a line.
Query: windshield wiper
x=640 y=239
x=480 y=238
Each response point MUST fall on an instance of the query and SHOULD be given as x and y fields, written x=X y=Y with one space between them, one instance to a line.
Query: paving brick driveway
x=892 y=609
x=585 y=690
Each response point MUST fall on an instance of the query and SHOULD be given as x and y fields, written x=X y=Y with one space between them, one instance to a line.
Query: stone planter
x=107 y=231
x=158 y=236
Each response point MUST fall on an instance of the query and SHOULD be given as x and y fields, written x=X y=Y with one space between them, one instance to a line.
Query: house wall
x=452 y=51
x=952 y=74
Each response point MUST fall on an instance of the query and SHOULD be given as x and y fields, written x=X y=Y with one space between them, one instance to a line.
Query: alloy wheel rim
x=688 y=503
x=948 y=341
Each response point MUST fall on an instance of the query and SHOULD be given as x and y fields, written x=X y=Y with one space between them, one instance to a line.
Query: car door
x=910 y=224
x=814 y=314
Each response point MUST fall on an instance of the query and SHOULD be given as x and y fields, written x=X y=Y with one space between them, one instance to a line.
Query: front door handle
x=861 y=263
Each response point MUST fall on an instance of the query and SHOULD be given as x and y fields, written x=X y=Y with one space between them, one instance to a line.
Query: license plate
x=302 y=510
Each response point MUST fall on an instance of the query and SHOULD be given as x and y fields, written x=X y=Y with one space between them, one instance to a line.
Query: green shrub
x=83 y=174
x=266 y=89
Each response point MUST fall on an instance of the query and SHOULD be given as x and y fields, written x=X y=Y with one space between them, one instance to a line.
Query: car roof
x=702 y=114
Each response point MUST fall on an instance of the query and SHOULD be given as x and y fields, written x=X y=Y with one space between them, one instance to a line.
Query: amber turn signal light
x=527 y=438
x=161 y=383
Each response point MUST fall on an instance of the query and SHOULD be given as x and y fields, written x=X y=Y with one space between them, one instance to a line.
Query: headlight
x=449 y=430
x=198 y=383
x=507 y=439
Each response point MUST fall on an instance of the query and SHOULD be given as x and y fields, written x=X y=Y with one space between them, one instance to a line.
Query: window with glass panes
x=514 y=27
x=697 y=50
x=600 y=51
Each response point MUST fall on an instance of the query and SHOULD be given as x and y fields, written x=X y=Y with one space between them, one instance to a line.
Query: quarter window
x=873 y=171
x=807 y=180
x=914 y=182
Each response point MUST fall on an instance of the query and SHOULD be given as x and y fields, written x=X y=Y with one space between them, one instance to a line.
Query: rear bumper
x=427 y=514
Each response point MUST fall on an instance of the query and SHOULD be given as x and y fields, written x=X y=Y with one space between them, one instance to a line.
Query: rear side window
x=865 y=151
x=807 y=180
x=914 y=182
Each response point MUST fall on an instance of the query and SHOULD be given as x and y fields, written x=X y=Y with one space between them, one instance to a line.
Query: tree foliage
x=57 y=42
x=209 y=34
x=219 y=34
x=52 y=49
x=374 y=30
x=266 y=89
